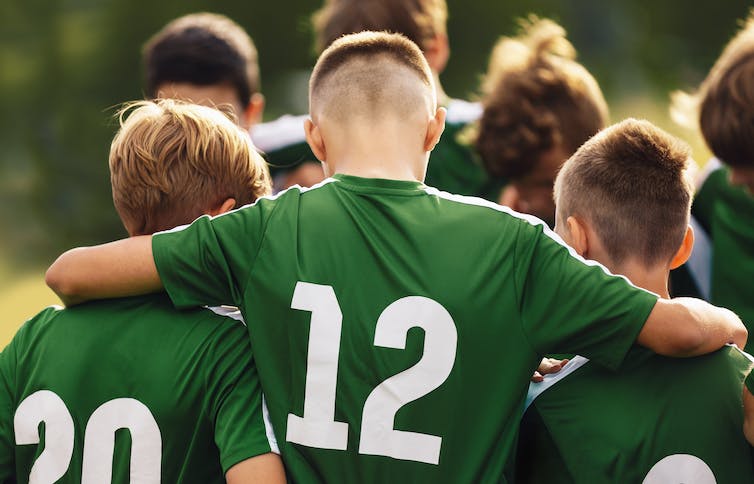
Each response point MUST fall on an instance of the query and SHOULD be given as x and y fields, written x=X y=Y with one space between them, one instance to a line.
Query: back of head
x=419 y=20
x=171 y=162
x=630 y=182
x=371 y=76
x=536 y=98
x=202 y=49
x=727 y=101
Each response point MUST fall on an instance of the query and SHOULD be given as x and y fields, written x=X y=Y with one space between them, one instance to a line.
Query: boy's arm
x=121 y=268
x=263 y=469
x=690 y=327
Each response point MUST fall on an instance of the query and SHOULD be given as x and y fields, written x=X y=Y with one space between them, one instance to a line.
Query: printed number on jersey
x=99 y=439
x=318 y=427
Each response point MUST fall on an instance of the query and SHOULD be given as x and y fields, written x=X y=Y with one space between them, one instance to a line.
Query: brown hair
x=536 y=97
x=202 y=49
x=371 y=81
x=631 y=182
x=725 y=101
x=170 y=162
x=419 y=20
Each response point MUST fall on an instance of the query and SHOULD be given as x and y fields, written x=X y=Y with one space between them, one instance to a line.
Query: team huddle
x=373 y=292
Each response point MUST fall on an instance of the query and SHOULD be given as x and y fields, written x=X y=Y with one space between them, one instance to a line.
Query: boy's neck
x=653 y=279
x=377 y=152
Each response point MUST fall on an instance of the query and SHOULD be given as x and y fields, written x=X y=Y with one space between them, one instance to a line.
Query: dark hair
x=536 y=98
x=630 y=181
x=419 y=20
x=202 y=49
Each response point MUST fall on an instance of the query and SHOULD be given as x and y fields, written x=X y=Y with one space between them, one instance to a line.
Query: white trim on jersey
x=460 y=111
x=537 y=389
x=234 y=313
x=268 y=427
x=231 y=312
x=285 y=131
x=479 y=202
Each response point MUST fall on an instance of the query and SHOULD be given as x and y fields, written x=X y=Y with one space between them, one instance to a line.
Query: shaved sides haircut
x=631 y=182
x=370 y=75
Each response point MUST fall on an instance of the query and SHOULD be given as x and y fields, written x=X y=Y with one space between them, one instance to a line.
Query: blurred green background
x=65 y=64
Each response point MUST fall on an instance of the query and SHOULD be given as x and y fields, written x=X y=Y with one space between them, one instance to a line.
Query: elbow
x=63 y=286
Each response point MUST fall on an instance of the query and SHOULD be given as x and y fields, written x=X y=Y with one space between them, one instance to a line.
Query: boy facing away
x=721 y=268
x=131 y=390
x=452 y=166
x=623 y=199
x=384 y=354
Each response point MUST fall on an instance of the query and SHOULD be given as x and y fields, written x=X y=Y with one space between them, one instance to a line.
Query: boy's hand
x=546 y=367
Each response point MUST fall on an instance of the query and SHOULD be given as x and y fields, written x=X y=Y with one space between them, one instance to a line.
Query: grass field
x=21 y=297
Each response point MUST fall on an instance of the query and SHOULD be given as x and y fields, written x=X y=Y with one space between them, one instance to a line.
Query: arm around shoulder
x=690 y=327
x=262 y=469
x=121 y=268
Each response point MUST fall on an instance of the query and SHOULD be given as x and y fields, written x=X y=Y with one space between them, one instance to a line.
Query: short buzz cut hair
x=631 y=182
x=364 y=72
x=171 y=161
x=536 y=98
x=203 y=49
x=419 y=20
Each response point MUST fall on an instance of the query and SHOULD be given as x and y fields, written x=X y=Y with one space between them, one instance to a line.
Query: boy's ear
x=434 y=129
x=684 y=251
x=252 y=114
x=315 y=140
x=226 y=206
x=578 y=237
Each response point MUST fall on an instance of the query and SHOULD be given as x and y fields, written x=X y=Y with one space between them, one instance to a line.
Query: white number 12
x=318 y=428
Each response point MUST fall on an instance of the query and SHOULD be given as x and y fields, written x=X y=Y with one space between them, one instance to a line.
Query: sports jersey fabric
x=656 y=420
x=395 y=327
x=130 y=389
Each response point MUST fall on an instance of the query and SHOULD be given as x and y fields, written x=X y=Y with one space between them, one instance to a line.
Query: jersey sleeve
x=7 y=386
x=569 y=305
x=241 y=431
x=208 y=262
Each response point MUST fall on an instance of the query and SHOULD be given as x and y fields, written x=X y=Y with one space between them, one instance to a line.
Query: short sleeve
x=750 y=382
x=569 y=305
x=208 y=262
x=236 y=399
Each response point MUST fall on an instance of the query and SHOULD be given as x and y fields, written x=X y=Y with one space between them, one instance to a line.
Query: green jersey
x=396 y=327
x=657 y=420
x=453 y=167
x=721 y=266
x=129 y=390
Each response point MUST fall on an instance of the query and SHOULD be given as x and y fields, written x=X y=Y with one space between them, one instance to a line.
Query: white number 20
x=99 y=439
x=318 y=428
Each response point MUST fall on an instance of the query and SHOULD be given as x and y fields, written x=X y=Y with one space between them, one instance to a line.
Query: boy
x=452 y=167
x=180 y=385
x=208 y=59
x=540 y=105
x=722 y=264
x=384 y=355
x=623 y=199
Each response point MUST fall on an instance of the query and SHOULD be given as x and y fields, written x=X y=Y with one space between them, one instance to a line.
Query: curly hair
x=536 y=97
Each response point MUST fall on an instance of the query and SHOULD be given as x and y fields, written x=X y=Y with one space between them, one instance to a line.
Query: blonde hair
x=724 y=103
x=536 y=97
x=419 y=20
x=631 y=182
x=171 y=162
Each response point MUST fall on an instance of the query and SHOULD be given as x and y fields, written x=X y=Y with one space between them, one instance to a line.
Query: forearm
x=690 y=327
x=121 y=268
